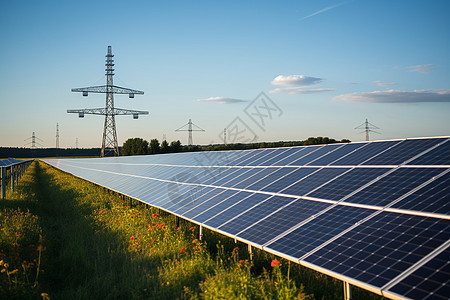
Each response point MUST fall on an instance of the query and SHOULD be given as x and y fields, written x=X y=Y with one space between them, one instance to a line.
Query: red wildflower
x=102 y=211
x=241 y=261
x=192 y=228
x=155 y=215
x=194 y=241
x=153 y=240
x=149 y=229
x=274 y=263
x=132 y=238
x=182 y=250
x=235 y=249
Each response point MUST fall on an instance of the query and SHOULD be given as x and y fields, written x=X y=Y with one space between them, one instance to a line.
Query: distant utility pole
x=57 y=136
x=33 y=141
x=76 y=143
x=367 y=128
x=109 y=141
x=224 y=136
x=189 y=129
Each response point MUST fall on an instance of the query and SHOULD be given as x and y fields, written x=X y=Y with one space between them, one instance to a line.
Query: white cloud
x=385 y=84
x=222 y=100
x=295 y=80
x=395 y=96
x=299 y=90
x=424 y=69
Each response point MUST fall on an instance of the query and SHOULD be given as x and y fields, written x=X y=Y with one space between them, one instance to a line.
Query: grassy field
x=65 y=238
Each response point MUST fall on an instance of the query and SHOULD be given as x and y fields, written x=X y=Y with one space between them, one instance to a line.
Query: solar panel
x=375 y=214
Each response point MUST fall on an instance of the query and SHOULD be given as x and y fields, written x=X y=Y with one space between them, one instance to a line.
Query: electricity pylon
x=33 y=141
x=367 y=128
x=189 y=129
x=57 y=136
x=109 y=142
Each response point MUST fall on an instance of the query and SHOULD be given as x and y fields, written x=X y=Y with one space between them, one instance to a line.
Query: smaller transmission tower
x=33 y=141
x=190 y=127
x=367 y=128
x=57 y=136
x=224 y=136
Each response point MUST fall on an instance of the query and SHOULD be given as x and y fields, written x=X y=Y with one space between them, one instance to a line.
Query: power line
x=367 y=128
x=190 y=128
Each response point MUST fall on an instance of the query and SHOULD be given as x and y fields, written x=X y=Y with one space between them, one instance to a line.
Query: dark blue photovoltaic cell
x=266 y=155
x=282 y=220
x=252 y=216
x=364 y=153
x=226 y=175
x=283 y=153
x=319 y=230
x=394 y=185
x=260 y=174
x=222 y=206
x=347 y=183
x=191 y=201
x=224 y=194
x=434 y=197
x=336 y=154
x=283 y=182
x=307 y=184
x=431 y=281
x=247 y=154
x=279 y=173
x=236 y=209
x=315 y=154
x=438 y=156
x=383 y=247
x=257 y=154
x=299 y=153
x=179 y=194
x=402 y=152
x=240 y=176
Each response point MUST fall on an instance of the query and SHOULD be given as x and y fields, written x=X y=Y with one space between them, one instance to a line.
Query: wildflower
x=194 y=241
x=192 y=228
x=235 y=249
x=241 y=261
x=102 y=211
x=132 y=238
x=13 y=272
x=182 y=250
x=155 y=215
x=45 y=296
x=149 y=229
x=153 y=240
x=274 y=263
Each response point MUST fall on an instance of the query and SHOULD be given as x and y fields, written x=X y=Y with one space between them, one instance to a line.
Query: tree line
x=139 y=146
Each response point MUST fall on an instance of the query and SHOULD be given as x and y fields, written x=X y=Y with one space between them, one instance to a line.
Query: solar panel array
x=374 y=214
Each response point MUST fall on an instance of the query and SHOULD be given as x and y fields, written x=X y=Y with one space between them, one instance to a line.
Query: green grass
x=80 y=241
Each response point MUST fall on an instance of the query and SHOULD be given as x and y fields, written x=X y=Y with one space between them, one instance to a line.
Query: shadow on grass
x=82 y=262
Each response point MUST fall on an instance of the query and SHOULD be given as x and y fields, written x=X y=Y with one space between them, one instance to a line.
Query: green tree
x=165 y=148
x=135 y=146
x=155 y=148
x=175 y=146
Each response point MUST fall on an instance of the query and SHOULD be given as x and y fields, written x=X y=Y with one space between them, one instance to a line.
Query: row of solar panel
x=317 y=216
x=295 y=227
x=365 y=153
x=12 y=161
x=366 y=186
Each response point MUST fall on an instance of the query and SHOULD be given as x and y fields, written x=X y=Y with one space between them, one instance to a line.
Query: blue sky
x=325 y=67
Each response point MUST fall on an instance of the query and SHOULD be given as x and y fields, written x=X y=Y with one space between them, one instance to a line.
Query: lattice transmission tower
x=57 y=136
x=367 y=128
x=190 y=128
x=109 y=141
x=33 y=142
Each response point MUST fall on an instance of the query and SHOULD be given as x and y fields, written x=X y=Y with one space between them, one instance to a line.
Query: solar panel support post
x=200 y=233
x=250 y=253
x=347 y=291
x=12 y=178
x=3 y=175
